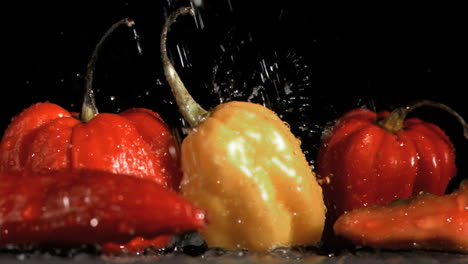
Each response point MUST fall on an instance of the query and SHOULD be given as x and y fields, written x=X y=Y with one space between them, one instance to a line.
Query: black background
x=331 y=56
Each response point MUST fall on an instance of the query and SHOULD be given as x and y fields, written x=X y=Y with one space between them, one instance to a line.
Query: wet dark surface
x=364 y=256
x=310 y=61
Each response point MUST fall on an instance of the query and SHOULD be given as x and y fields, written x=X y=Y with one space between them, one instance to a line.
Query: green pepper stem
x=188 y=107
x=89 y=109
x=395 y=120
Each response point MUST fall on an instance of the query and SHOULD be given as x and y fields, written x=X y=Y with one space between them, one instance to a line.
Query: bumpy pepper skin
x=369 y=165
x=426 y=221
x=136 y=142
x=247 y=170
x=89 y=207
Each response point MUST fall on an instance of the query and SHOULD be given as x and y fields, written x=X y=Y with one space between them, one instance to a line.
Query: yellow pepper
x=242 y=164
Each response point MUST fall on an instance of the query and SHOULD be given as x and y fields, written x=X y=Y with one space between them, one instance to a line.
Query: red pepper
x=72 y=207
x=137 y=142
x=375 y=158
x=426 y=221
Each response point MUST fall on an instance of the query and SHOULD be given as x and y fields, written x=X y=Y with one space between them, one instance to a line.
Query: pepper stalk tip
x=89 y=108
x=192 y=112
x=395 y=120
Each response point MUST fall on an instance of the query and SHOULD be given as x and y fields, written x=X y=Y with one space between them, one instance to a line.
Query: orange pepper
x=425 y=221
x=242 y=164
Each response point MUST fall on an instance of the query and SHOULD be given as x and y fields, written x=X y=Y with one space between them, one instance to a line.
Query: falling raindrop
x=94 y=222
x=66 y=202
x=137 y=39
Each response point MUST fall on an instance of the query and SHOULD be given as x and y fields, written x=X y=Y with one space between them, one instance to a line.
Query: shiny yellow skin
x=247 y=170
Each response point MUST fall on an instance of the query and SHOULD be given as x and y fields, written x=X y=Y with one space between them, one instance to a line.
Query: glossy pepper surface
x=242 y=164
x=136 y=142
x=137 y=245
x=71 y=207
x=426 y=221
x=245 y=167
x=374 y=158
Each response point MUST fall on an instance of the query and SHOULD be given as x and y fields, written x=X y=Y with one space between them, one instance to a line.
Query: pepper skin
x=136 y=142
x=137 y=245
x=368 y=165
x=426 y=221
x=247 y=170
x=82 y=206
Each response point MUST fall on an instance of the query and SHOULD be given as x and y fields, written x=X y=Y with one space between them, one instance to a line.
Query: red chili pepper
x=375 y=158
x=427 y=221
x=81 y=206
x=136 y=142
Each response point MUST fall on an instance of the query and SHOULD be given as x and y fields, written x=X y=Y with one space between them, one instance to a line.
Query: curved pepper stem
x=395 y=120
x=89 y=109
x=188 y=107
